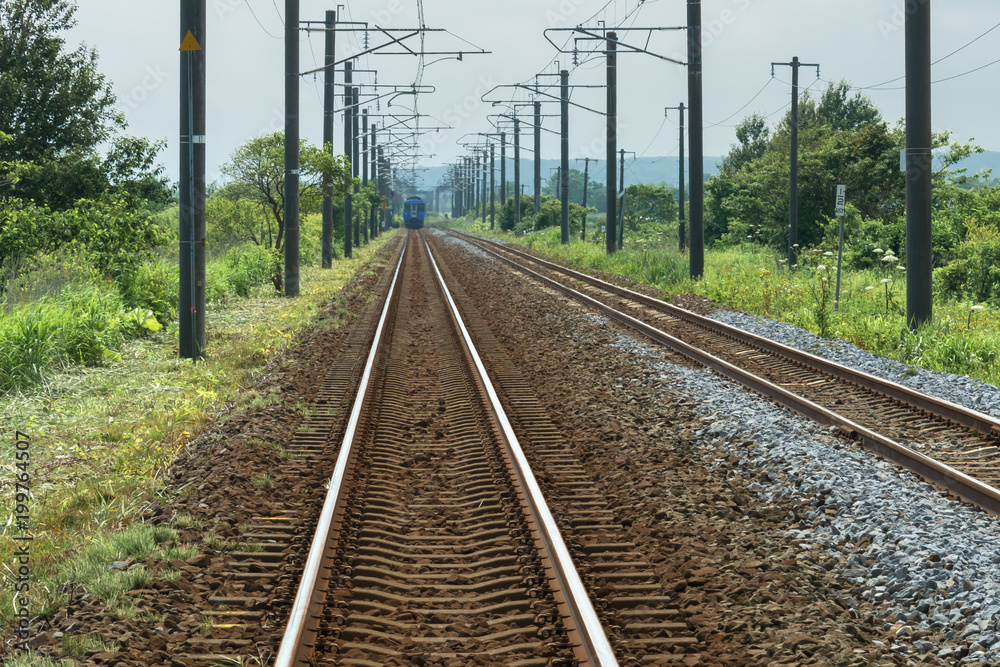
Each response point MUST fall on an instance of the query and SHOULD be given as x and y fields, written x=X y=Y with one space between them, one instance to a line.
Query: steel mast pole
x=348 y=124
x=696 y=162
x=517 y=171
x=291 y=147
x=610 y=237
x=919 y=164
x=329 y=95
x=564 y=154
x=493 y=187
x=191 y=285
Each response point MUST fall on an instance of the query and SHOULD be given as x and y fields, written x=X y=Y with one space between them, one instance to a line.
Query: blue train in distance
x=414 y=212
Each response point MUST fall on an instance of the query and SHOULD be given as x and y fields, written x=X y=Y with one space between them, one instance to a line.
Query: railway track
x=435 y=545
x=947 y=444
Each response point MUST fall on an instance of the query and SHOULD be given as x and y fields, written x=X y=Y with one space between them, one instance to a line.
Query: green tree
x=51 y=100
x=597 y=193
x=257 y=173
x=648 y=205
x=57 y=109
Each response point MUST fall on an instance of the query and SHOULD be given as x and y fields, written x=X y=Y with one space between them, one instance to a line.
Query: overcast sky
x=858 y=40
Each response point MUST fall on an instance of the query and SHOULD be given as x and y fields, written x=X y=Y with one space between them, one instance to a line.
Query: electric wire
x=879 y=86
x=254 y=15
x=763 y=88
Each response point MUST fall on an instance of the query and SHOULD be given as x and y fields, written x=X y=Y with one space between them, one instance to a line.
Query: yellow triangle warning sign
x=190 y=43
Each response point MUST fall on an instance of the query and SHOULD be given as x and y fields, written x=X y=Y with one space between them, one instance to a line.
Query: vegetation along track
x=435 y=544
x=947 y=444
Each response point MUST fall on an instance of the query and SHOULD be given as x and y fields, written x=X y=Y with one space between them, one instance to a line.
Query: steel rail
x=958 y=483
x=588 y=625
x=982 y=423
x=300 y=622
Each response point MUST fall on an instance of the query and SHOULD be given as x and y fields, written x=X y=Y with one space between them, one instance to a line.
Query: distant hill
x=657 y=169
x=642 y=170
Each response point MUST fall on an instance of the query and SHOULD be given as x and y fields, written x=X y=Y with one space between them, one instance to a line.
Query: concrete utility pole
x=621 y=202
x=696 y=163
x=586 y=182
x=610 y=237
x=793 y=180
x=372 y=218
x=485 y=166
x=503 y=168
x=329 y=95
x=355 y=152
x=538 y=159
x=564 y=165
x=364 y=160
x=291 y=147
x=517 y=171
x=348 y=124
x=680 y=178
x=191 y=285
x=493 y=187
x=919 y=164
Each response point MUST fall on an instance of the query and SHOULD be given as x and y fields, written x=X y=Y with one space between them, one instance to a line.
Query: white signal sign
x=841 y=200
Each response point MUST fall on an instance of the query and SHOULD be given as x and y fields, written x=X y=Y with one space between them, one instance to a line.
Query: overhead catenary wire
x=879 y=86
x=254 y=15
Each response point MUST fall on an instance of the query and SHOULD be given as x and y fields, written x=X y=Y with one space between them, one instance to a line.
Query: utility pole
x=364 y=162
x=493 y=187
x=476 y=184
x=383 y=185
x=680 y=179
x=291 y=147
x=329 y=95
x=191 y=285
x=586 y=182
x=503 y=168
x=470 y=177
x=919 y=163
x=621 y=202
x=348 y=203
x=612 y=143
x=696 y=164
x=564 y=166
x=793 y=178
x=484 y=186
x=454 y=191
x=517 y=171
x=372 y=219
x=538 y=160
x=355 y=156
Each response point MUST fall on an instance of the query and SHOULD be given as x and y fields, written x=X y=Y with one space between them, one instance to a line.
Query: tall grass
x=57 y=310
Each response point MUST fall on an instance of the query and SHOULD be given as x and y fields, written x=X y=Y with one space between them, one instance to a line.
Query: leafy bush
x=975 y=273
x=93 y=325
x=151 y=286
x=117 y=236
x=505 y=216
x=250 y=265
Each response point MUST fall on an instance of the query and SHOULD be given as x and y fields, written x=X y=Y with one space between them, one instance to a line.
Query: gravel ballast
x=958 y=389
x=932 y=565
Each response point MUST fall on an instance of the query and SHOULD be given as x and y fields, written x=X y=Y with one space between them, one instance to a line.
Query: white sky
x=858 y=40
